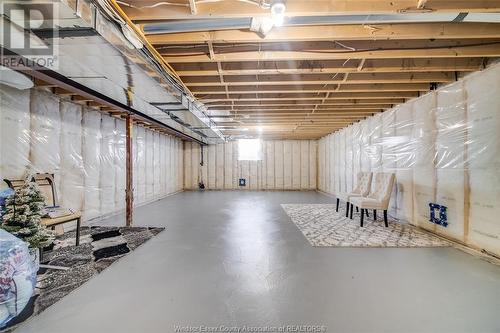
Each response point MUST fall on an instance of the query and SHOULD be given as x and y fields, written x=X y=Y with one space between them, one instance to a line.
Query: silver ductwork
x=246 y=22
x=102 y=55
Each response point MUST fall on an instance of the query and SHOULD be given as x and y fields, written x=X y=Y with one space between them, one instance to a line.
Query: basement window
x=249 y=150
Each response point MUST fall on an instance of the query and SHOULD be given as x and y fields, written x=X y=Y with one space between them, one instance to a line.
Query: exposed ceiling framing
x=305 y=81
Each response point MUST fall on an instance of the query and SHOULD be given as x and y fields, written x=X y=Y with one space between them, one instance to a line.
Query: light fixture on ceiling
x=278 y=12
x=264 y=24
x=260 y=129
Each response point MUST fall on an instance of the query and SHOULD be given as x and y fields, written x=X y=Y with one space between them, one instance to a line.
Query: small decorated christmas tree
x=23 y=214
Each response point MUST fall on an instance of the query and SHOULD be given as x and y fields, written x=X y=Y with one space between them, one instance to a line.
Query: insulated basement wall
x=85 y=150
x=285 y=165
x=444 y=148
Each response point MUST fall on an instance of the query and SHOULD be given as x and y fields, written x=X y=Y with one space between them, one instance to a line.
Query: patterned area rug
x=323 y=226
x=99 y=248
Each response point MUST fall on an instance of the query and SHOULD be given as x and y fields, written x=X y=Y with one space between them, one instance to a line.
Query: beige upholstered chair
x=362 y=189
x=378 y=198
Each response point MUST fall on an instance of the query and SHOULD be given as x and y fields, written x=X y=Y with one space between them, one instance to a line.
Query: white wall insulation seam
x=72 y=168
x=444 y=148
x=84 y=149
x=91 y=152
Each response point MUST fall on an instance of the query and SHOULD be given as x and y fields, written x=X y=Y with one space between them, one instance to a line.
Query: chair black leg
x=357 y=209
x=362 y=216
x=352 y=208
x=374 y=215
x=385 y=218
x=366 y=212
x=348 y=206
x=337 y=207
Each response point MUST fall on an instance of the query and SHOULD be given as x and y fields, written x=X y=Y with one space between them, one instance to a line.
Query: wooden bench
x=45 y=182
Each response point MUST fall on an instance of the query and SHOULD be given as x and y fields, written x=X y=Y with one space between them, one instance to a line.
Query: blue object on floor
x=17 y=276
x=4 y=194
x=441 y=218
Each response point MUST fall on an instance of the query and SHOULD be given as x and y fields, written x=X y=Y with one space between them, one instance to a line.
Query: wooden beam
x=304 y=108
x=331 y=66
x=487 y=50
x=62 y=92
x=313 y=88
x=139 y=11
x=291 y=115
x=227 y=105
x=306 y=79
x=335 y=32
x=43 y=84
x=316 y=96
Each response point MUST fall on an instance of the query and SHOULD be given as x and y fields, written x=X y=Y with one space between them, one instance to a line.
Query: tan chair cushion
x=380 y=195
x=362 y=187
x=367 y=203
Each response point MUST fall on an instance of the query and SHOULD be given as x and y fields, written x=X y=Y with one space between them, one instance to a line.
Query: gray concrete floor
x=235 y=258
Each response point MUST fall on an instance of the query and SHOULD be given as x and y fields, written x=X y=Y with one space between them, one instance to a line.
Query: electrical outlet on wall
x=242 y=182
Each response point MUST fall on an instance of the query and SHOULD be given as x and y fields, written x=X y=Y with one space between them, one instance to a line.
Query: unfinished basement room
x=230 y=166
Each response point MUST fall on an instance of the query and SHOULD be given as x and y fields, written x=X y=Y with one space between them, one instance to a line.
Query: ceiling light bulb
x=278 y=13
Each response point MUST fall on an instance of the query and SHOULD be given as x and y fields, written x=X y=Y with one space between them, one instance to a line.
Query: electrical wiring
x=403 y=49
x=162 y=3
x=261 y=4
x=344 y=46
x=349 y=49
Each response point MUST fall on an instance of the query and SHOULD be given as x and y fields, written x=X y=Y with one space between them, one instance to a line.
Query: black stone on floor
x=106 y=234
x=111 y=251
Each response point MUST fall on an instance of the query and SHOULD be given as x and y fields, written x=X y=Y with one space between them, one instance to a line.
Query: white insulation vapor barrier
x=85 y=150
x=444 y=148
x=284 y=165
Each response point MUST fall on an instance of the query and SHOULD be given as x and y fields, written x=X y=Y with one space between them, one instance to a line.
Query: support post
x=129 y=190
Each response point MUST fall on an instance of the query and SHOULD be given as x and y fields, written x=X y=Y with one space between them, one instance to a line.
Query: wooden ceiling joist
x=305 y=107
x=331 y=66
x=430 y=51
x=298 y=108
x=313 y=88
x=62 y=92
x=355 y=78
x=274 y=103
x=287 y=115
x=306 y=96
